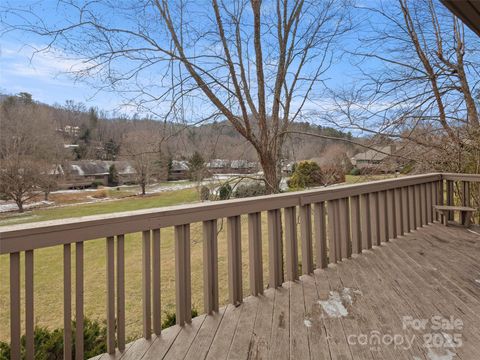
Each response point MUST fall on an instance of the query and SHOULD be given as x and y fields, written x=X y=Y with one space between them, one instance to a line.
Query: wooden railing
x=338 y=220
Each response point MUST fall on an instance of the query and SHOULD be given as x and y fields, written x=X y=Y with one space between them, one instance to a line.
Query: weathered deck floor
x=434 y=271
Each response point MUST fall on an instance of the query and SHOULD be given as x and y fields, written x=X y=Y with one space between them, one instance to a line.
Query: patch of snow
x=433 y=355
x=78 y=169
x=307 y=323
x=477 y=280
x=334 y=307
x=13 y=207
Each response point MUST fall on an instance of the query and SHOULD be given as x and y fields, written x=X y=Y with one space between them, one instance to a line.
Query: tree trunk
x=20 y=205
x=271 y=173
x=46 y=195
x=143 y=185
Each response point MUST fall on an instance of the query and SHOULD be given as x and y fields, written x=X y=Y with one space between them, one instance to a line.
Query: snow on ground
x=6 y=207
x=335 y=305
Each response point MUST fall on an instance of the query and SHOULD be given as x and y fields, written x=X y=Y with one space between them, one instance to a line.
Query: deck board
x=431 y=271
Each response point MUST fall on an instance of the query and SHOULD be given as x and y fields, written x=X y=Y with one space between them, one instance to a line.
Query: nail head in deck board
x=210 y=266
x=275 y=248
x=291 y=244
x=183 y=284
x=306 y=233
x=234 y=249
x=255 y=253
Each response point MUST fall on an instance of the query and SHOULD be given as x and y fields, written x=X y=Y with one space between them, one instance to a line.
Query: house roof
x=377 y=153
x=98 y=167
x=467 y=10
x=179 y=165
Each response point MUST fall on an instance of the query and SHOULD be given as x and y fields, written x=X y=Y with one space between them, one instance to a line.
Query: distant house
x=377 y=159
x=223 y=166
x=85 y=172
x=178 y=170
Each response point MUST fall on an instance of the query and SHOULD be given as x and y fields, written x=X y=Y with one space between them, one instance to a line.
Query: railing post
x=275 y=248
x=320 y=235
x=306 y=232
x=234 y=260
x=255 y=253
x=291 y=251
x=210 y=266
x=182 y=274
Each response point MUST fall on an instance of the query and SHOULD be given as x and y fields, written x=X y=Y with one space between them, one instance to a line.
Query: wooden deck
x=434 y=271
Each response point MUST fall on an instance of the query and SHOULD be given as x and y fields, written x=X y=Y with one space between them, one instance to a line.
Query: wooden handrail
x=339 y=220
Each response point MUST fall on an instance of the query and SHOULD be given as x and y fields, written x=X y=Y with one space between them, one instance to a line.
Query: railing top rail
x=22 y=237
x=461 y=177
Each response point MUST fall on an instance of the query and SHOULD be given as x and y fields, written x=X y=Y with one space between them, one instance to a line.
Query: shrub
x=249 y=190
x=224 y=192
x=355 y=171
x=204 y=193
x=100 y=194
x=113 y=177
x=171 y=318
x=97 y=183
x=306 y=174
x=49 y=343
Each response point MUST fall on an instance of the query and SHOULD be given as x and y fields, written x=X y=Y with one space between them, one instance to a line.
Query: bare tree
x=142 y=150
x=420 y=91
x=254 y=63
x=27 y=158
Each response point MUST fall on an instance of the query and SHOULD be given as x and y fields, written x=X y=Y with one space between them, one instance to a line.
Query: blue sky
x=45 y=75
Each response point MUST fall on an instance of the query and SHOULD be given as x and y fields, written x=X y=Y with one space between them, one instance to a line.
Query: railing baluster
x=255 y=253
x=418 y=209
x=423 y=198
x=234 y=260
x=374 y=217
x=291 y=244
x=320 y=235
x=110 y=294
x=344 y=210
x=67 y=302
x=332 y=247
x=275 y=248
x=15 y=306
x=210 y=266
x=157 y=320
x=29 y=314
x=411 y=208
x=398 y=211
x=465 y=193
x=450 y=200
x=382 y=200
x=366 y=222
x=429 y=203
x=306 y=231
x=121 y=292
x=79 y=300
x=183 y=281
x=405 y=207
x=356 y=225
x=392 y=226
